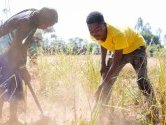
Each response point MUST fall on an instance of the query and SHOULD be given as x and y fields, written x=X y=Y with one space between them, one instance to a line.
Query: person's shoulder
x=129 y=29
x=30 y=17
x=114 y=30
x=22 y=16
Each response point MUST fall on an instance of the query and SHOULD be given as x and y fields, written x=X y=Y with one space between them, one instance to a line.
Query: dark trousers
x=138 y=60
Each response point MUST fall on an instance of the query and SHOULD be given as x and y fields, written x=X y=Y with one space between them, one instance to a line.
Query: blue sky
x=72 y=13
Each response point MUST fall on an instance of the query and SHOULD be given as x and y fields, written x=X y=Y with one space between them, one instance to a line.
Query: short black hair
x=95 y=17
x=49 y=14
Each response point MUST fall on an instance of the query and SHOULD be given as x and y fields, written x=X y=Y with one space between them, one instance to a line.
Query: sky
x=73 y=13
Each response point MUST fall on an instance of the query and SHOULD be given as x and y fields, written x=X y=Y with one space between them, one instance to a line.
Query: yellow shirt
x=126 y=39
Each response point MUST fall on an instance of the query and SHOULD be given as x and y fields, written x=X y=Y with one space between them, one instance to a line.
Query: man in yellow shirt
x=127 y=46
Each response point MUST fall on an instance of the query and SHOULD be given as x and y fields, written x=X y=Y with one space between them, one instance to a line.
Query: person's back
x=134 y=39
x=15 y=21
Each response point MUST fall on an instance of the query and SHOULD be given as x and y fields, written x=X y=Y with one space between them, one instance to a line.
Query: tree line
x=48 y=42
x=76 y=46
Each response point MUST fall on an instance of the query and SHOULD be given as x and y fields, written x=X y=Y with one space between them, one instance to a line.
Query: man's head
x=47 y=17
x=96 y=25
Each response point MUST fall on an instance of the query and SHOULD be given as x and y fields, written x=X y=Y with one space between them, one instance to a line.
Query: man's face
x=45 y=25
x=98 y=31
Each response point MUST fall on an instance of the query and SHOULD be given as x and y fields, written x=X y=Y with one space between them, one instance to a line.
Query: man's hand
x=25 y=75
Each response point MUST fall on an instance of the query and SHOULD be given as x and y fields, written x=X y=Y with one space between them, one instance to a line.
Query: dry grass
x=65 y=86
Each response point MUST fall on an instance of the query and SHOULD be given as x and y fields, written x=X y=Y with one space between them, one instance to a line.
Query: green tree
x=164 y=39
x=145 y=30
x=139 y=25
x=77 y=45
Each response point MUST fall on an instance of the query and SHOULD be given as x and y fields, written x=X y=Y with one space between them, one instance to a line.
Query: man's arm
x=115 y=63
x=29 y=38
x=110 y=74
x=22 y=31
x=25 y=75
x=103 y=59
x=19 y=52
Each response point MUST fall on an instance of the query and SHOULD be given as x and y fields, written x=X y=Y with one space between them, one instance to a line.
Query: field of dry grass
x=65 y=86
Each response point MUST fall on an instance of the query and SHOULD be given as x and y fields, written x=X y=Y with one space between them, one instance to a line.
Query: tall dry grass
x=67 y=83
x=65 y=86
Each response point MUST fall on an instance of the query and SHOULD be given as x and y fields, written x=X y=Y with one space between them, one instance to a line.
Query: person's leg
x=12 y=100
x=16 y=95
x=13 y=112
x=139 y=63
x=1 y=107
